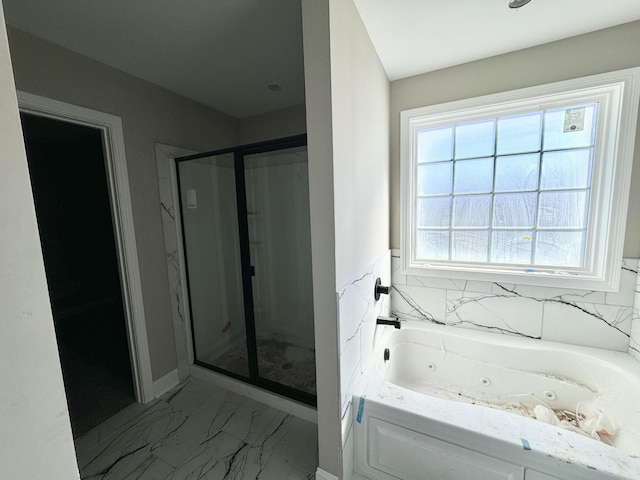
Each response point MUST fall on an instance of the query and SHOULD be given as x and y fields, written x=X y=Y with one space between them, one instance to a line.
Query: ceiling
x=417 y=36
x=225 y=53
x=222 y=53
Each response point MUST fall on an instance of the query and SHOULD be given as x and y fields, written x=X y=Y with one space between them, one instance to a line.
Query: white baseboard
x=357 y=476
x=324 y=475
x=165 y=383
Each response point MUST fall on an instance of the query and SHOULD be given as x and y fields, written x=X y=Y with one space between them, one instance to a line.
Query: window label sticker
x=574 y=120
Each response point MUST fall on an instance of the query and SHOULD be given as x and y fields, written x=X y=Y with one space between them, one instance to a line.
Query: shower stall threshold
x=284 y=404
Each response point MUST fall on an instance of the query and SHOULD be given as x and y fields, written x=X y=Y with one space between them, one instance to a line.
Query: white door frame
x=120 y=199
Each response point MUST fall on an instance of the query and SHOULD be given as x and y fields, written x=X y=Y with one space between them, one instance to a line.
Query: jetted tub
x=453 y=404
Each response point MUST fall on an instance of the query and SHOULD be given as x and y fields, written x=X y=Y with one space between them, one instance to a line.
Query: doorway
x=73 y=208
x=247 y=242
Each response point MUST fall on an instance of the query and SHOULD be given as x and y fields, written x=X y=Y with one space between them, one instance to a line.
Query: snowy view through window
x=510 y=189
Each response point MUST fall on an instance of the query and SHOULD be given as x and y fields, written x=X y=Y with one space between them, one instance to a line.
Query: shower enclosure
x=247 y=242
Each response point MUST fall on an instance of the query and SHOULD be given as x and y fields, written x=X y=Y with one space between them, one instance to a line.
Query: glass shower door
x=247 y=243
x=212 y=249
x=277 y=196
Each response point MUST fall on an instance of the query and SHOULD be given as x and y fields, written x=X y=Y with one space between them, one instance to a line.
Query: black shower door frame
x=247 y=269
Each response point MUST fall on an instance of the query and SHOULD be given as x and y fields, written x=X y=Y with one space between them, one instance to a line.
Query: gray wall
x=276 y=124
x=149 y=114
x=317 y=72
x=35 y=433
x=602 y=51
x=348 y=121
x=360 y=108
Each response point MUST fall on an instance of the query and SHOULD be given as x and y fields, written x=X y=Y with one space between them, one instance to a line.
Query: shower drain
x=431 y=366
x=549 y=395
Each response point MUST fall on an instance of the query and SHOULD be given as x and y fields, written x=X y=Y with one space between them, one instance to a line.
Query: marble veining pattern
x=169 y=229
x=197 y=431
x=597 y=319
x=358 y=334
x=634 y=341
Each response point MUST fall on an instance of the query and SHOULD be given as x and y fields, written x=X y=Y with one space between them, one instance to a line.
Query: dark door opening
x=70 y=190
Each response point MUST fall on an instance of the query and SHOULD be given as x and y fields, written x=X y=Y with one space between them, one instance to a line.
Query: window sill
x=562 y=279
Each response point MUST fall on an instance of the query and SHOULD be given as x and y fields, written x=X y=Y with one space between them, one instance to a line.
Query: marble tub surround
x=357 y=313
x=587 y=318
x=197 y=431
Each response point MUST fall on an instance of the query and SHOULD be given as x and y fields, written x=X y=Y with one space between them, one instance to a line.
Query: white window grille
x=529 y=185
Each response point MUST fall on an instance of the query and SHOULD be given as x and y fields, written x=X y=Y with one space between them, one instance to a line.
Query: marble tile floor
x=198 y=431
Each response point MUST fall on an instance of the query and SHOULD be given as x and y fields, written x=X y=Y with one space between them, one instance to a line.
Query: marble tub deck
x=197 y=431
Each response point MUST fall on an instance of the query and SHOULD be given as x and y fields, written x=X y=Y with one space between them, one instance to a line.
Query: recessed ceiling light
x=518 y=3
x=274 y=87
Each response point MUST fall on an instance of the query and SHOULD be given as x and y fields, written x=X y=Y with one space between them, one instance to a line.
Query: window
x=529 y=186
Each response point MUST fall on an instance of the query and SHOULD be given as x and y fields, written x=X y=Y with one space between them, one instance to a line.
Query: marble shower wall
x=357 y=313
x=588 y=318
x=166 y=172
x=634 y=341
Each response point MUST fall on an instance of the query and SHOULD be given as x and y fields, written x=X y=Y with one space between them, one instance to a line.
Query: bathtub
x=453 y=404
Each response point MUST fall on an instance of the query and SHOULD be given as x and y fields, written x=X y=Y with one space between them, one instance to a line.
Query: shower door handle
x=252 y=270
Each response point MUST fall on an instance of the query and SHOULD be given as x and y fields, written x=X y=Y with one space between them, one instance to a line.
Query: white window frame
x=618 y=94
